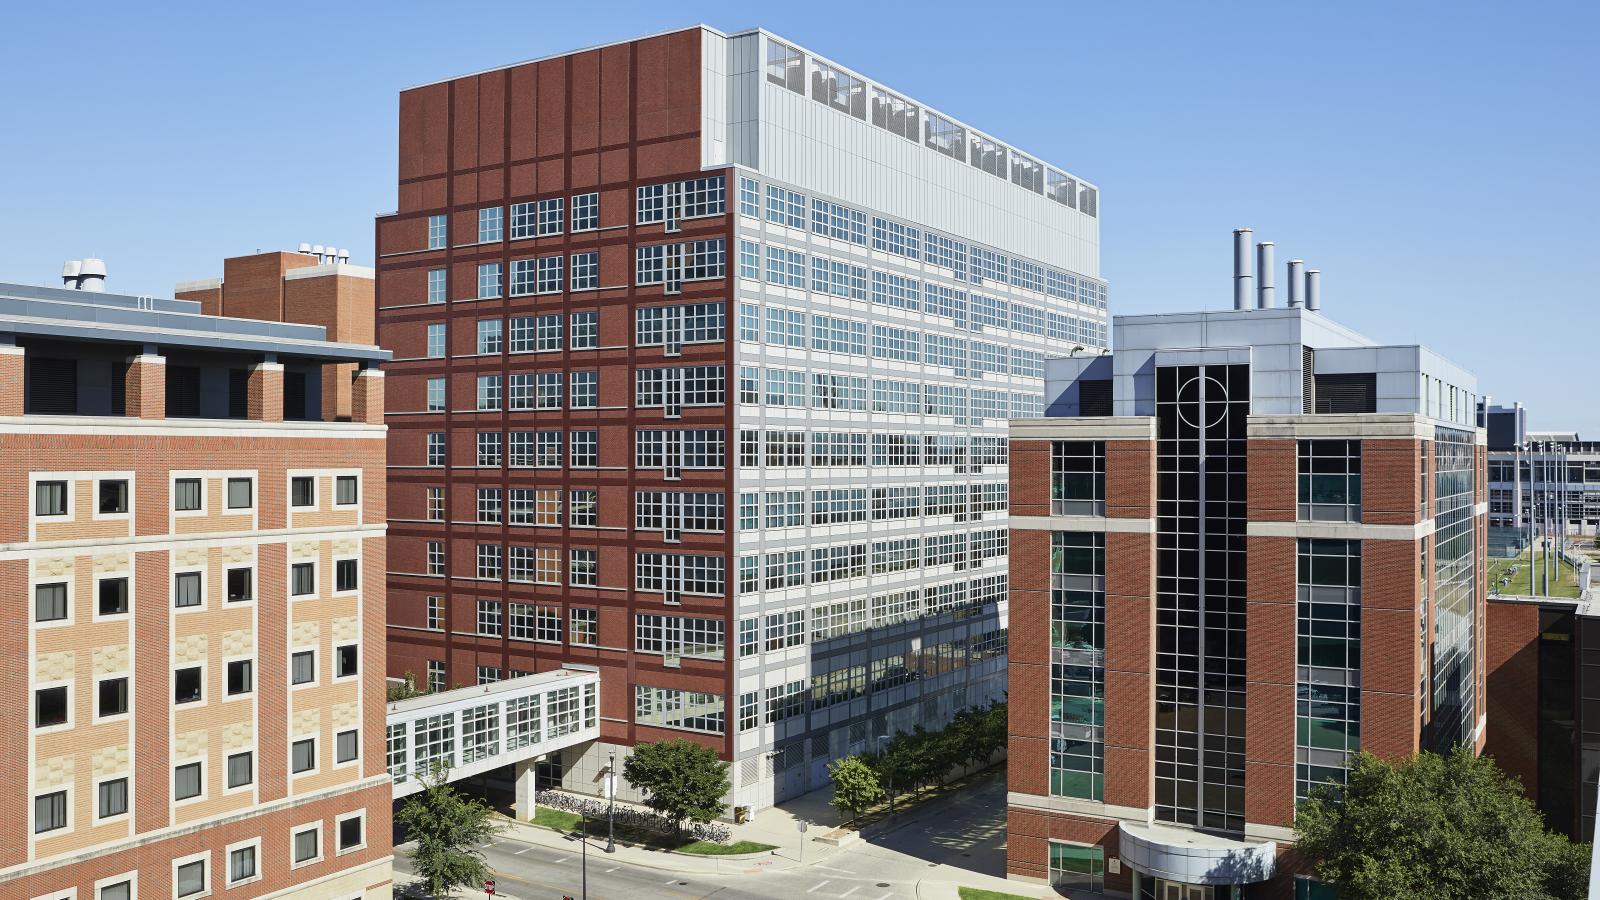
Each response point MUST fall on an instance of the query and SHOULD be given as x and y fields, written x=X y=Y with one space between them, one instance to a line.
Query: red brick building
x=1244 y=545
x=197 y=563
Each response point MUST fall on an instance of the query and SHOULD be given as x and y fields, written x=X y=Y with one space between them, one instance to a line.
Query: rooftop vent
x=84 y=275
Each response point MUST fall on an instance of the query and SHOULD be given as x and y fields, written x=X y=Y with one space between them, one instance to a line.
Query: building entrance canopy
x=1179 y=854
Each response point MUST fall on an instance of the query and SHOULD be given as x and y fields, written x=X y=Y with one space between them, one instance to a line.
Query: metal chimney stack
x=1297 y=282
x=1242 y=277
x=70 y=270
x=92 y=277
x=1314 y=289
x=1267 y=291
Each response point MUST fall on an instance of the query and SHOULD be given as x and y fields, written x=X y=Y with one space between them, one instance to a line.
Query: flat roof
x=127 y=319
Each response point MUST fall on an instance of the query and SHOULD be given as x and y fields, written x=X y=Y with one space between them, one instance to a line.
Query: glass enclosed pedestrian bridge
x=470 y=731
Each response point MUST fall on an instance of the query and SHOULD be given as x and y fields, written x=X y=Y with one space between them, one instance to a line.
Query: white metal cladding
x=471 y=726
x=794 y=138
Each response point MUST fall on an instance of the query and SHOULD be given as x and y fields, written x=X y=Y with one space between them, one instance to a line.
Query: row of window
x=529 y=334
x=541 y=275
x=831 y=334
x=50 y=498
x=835 y=506
x=789 y=388
x=835 y=88
x=528 y=565
x=781 y=630
x=968 y=310
x=524 y=506
x=524 y=449
x=52 y=600
x=191 y=874
x=527 y=390
x=525 y=622
x=533 y=218
x=787 y=449
x=782 y=569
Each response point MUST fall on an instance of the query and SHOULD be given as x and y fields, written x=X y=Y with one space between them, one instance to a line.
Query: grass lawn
x=981 y=894
x=1522 y=583
x=570 y=822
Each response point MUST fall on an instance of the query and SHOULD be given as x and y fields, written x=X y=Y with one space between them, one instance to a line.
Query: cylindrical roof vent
x=70 y=271
x=1266 y=293
x=304 y=248
x=92 y=277
x=1297 y=282
x=344 y=255
x=1314 y=289
x=1241 y=268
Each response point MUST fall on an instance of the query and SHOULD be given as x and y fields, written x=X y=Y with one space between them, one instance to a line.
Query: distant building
x=1244 y=544
x=1546 y=480
x=195 y=556
x=705 y=349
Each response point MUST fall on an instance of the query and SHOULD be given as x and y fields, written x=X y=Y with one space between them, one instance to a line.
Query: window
x=190 y=877
x=583 y=509
x=437 y=231
x=1075 y=866
x=241 y=769
x=749 y=259
x=489 y=448
x=346 y=746
x=241 y=677
x=50 y=498
x=436 y=395
x=671 y=708
x=436 y=341
x=49 y=812
x=303 y=755
x=786 y=67
x=585 y=271
x=112 y=798
x=582 y=571
x=947 y=137
x=489 y=617
x=302 y=579
x=437 y=286
x=186 y=781
x=185 y=495
x=345 y=490
x=435 y=448
x=186 y=685
x=585 y=212
x=585 y=449
x=522 y=220
x=490 y=336
x=302 y=491
x=241 y=864
x=186 y=590
x=113 y=497
x=895 y=114
x=585 y=390
x=488 y=280
x=50 y=602
x=436 y=682
x=490 y=222
x=436 y=613
x=307 y=845
x=111 y=697
x=1329 y=481
x=50 y=707
x=987 y=155
x=584 y=628
x=1077 y=478
x=551 y=212
x=303 y=667
x=350 y=833
x=241 y=493
x=344 y=575
x=585 y=330
x=749 y=198
x=345 y=659
x=549 y=275
x=241 y=585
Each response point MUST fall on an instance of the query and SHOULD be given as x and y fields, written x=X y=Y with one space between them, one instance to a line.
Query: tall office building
x=705 y=348
x=195 y=556
x=1244 y=545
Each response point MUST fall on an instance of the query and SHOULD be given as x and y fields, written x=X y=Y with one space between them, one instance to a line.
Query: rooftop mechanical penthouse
x=1244 y=544
x=705 y=347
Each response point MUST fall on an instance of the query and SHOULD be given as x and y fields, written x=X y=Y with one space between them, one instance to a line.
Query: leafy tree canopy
x=680 y=779
x=855 y=785
x=448 y=828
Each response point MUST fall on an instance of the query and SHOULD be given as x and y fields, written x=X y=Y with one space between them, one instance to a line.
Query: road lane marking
x=815 y=887
x=672 y=880
x=849 y=892
x=520 y=852
x=563 y=859
x=612 y=869
x=832 y=869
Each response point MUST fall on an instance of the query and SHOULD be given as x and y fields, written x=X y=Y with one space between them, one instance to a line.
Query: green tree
x=855 y=785
x=1435 y=828
x=406 y=689
x=680 y=779
x=448 y=828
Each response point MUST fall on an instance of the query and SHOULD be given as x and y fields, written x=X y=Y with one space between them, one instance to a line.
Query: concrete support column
x=524 y=770
x=366 y=402
x=146 y=386
x=265 y=392
x=13 y=367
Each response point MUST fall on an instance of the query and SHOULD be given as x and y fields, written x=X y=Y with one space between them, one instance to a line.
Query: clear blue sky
x=1437 y=161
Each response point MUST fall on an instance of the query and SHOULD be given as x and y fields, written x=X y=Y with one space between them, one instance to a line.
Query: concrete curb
x=665 y=861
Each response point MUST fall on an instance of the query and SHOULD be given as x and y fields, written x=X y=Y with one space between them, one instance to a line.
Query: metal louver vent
x=1094 y=396
x=1308 y=383
x=1350 y=393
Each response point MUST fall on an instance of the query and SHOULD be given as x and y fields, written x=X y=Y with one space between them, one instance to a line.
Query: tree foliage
x=406 y=689
x=1436 y=828
x=680 y=779
x=910 y=760
x=448 y=828
x=855 y=785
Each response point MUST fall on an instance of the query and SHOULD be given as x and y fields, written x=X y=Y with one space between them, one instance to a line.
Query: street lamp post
x=585 y=821
x=881 y=739
x=611 y=806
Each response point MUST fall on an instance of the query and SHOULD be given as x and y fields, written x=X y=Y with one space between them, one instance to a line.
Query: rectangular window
x=50 y=707
x=1329 y=481
x=549 y=275
x=50 y=602
x=302 y=579
x=1077 y=478
x=303 y=667
x=489 y=336
x=490 y=222
x=111 y=697
x=585 y=330
x=113 y=497
x=346 y=746
x=112 y=799
x=585 y=626
x=522 y=220
x=488 y=281
x=749 y=198
x=303 y=755
x=351 y=831
x=436 y=341
x=585 y=271
x=50 y=498
x=186 y=590
x=551 y=213
x=1079 y=867
x=306 y=845
x=186 y=781
x=241 y=769
x=346 y=661
x=345 y=490
x=438 y=231
x=585 y=212
x=241 y=493
x=241 y=677
x=241 y=864
x=438 y=289
x=49 y=812
x=185 y=495
x=302 y=491
x=435 y=557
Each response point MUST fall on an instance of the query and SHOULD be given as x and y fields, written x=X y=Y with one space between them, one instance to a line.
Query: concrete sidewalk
x=783 y=858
